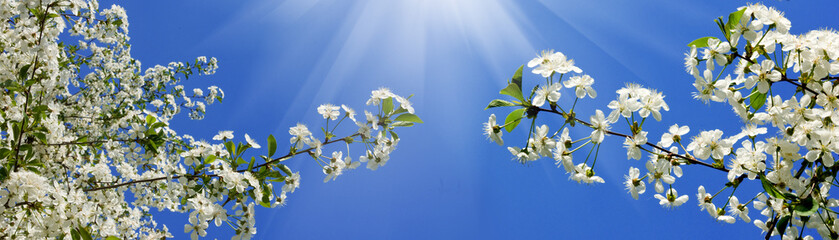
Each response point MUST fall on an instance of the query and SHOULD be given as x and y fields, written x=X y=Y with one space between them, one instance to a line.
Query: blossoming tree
x=774 y=80
x=86 y=149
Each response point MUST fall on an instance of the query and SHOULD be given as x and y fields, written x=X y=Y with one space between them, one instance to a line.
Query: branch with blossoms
x=245 y=181
x=86 y=149
x=794 y=166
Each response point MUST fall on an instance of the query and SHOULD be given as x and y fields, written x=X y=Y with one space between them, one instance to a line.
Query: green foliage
x=387 y=105
x=272 y=145
x=701 y=42
x=517 y=77
x=513 y=90
x=734 y=19
x=499 y=103
x=757 y=99
x=806 y=206
x=770 y=188
x=408 y=117
x=513 y=119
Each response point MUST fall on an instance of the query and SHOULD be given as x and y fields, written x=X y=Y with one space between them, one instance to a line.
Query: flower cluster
x=795 y=164
x=86 y=150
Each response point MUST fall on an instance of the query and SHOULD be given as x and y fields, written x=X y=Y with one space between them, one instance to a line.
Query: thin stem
x=595 y=156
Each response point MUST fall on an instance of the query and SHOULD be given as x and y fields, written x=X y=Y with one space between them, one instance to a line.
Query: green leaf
x=150 y=119
x=781 y=225
x=210 y=159
x=757 y=99
x=231 y=148
x=513 y=119
x=250 y=164
x=285 y=169
x=42 y=137
x=394 y=135
x=241 y=148
x=408 y=117
x=399 y=110
x=265 y=204
x=734 y=19
x=517 y=76
x=699 y=43
x=272 y=145
x=5 y=152
x=499 y=103
x=3 y=174
x=112 y=238
x=513 y=90
x=85 y=234
x=276 y=176
x=806 y=207
x=75 y=234
x=24 y=72
x=157 y=125
x=770 y=188
x=387 y=105
x=402 y=124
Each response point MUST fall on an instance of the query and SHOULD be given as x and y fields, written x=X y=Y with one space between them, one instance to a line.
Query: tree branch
x=279 y=159
x=690 y=160
x=783 y=75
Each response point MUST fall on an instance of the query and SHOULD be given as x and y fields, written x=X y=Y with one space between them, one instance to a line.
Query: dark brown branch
x=213 y=175
x=89 y=142
x=690 y=159
x=783 y=75
x=143 y=181
x=279 y=159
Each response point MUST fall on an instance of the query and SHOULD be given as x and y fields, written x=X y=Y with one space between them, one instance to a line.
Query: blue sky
x=279 y=60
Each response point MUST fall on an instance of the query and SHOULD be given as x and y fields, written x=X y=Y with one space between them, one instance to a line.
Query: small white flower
x=292 y=182
x=765 y=74
x=523 y=155
x=633 y=184
x=541 y=143
x=738 y=209
x=716 y=50
x=378 y=95
x=549 y=62
x=550 y=93
x=600 y=126
x=493 y=131
x=300 y=135
x=251 y=142
x=584 y=173
x=671 y=199
x=404 y=103
x=335 y=167
x=674 y=134
x=705 y=201
x=329 y=111
x=633 y=151
x=223 y=135
x=350 y=113
x=581 y=85
x=690 y=61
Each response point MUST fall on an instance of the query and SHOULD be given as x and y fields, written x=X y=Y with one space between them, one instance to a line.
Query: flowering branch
x=796 y=167
x=72 y=187
x=689 y=159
